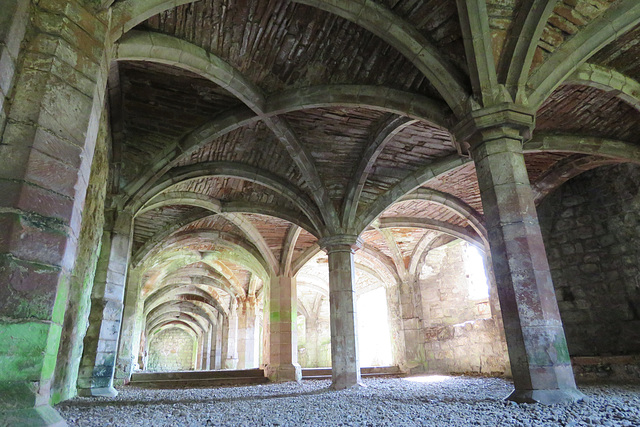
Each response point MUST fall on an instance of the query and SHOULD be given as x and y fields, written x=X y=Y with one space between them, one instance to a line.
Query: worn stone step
x=191 y=375
x=369 y=371
x=203 y=382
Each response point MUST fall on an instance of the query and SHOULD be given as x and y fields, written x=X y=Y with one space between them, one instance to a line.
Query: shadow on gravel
x=135 y=402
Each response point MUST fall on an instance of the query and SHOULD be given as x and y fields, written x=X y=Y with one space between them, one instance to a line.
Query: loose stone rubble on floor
x=441 y=401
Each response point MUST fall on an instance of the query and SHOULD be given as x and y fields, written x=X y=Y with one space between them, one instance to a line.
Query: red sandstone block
x=51 y=174
x=33 y=284
x=57 y=148
x=24 y=240
x=30 y=198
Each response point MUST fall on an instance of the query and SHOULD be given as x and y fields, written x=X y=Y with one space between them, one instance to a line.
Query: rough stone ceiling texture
x=589 y=111
x=160 y=104
x=254 y=145
x=279 y=44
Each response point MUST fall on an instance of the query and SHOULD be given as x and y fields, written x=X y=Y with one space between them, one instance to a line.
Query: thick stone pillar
x=394 y=311
x=247 y=334
x=283 y=340
x=342 y=308
x=52 y=94
x=213 y=333
x=537 y=346
x=312 y=339
x=231 y=361
x=132 y=320
x=412 y=323
x=198 y=349
x=219 y=342
x=97 y=368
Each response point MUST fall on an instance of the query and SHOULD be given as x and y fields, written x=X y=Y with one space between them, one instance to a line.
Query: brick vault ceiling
x=248 y=184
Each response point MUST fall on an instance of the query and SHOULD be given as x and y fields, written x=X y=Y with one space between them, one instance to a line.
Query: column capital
x=340 y=241
x=499 y=121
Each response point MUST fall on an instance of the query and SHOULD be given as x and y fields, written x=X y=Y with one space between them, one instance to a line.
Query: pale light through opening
x=374 y=344
x=474 y=266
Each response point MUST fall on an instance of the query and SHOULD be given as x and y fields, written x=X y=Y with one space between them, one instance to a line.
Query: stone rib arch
x=379 y=98
x=407 y=40
x=404 y=187
x=210 y=239
x=173 y=51
x=383 y=135
x=430 y=224
x=515 y=61
x=170 y=291
x=235 y=170
x=608 y=80
x=474 y=23
x=618 y=19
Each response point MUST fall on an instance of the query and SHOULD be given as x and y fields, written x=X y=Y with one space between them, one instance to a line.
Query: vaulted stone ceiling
x=246 y=130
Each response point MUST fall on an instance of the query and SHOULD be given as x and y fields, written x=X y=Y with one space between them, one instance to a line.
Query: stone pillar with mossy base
x=537 y=346
x=345 y=365
x=97 y=368
x=53 y=73
x=283 y=339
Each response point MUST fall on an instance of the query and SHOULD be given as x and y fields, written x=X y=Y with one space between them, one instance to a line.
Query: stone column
x=537 y=346
x=219 y=346
x=312 y=339
x=199 y=346
x=394 y=310
x=97 y=367
x=211 y=364
x=247 y=334
x=342 y=307
x=127 y=357
x=283 y=340
x=49 y=118
x=231 y=361
x=412 y=323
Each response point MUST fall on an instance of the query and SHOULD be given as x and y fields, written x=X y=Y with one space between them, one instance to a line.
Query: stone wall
x=591 y=227
x=171 y=350
x=459 y=333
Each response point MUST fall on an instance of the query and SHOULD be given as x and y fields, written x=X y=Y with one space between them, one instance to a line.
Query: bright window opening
x=374 y=343
x=474 y=266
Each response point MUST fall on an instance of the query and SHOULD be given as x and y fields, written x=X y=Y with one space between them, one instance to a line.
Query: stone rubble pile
x=441 y=401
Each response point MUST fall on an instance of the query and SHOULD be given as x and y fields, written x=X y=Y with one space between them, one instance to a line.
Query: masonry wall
x=460 y=334
x=171 y=350
x=591 y=228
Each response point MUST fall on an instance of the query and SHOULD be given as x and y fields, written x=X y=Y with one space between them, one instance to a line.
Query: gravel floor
x=444 y=401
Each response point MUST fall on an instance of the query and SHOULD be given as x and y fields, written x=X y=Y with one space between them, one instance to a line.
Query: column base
x=283 y=373
x=547 y=397
x=98 y=392
x=346 y=376
x=231 y=363
x=39 y=416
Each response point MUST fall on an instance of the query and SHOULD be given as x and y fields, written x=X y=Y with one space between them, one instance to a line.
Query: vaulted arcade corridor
x=441 y=186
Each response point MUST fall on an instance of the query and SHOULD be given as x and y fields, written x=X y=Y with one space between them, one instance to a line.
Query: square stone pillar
x=97 y=367
x=247 y=334
x=345 y=364
x=52 y=86
x=283 y=340
x=219 y=342
x=535 y=337
x=129 y=343
x=231 y=361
